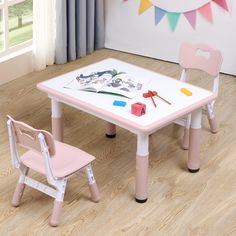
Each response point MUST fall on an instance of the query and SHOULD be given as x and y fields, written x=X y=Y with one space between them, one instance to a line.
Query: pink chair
x=49 y=157
x=204 y=58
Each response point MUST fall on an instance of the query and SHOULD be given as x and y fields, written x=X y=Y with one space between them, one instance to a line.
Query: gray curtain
x=79 y=28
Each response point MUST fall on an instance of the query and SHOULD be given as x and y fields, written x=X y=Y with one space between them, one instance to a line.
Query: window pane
x=20 y=22
x=1 y=30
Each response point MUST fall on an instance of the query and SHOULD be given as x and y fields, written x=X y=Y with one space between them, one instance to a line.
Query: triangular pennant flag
x=144 y=5
x=206 y=12
x=222 y=3
x=159 y=14
x=191 y=17
x=173 y=18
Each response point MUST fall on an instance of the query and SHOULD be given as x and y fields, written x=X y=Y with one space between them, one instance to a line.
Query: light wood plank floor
x=180 y=203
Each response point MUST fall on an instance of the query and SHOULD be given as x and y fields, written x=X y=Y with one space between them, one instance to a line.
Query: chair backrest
x=202 y=57
x=27 y=137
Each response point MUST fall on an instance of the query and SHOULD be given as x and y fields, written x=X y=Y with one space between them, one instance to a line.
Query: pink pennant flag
x=191 y=17
x=222 y=3
x=206 y=12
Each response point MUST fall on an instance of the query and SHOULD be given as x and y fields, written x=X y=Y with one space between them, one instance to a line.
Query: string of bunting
x=191 y=16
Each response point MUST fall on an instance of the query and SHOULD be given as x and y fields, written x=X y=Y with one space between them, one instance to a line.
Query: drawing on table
x=109 y=81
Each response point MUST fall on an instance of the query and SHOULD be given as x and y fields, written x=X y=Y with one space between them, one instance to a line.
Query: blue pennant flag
x=159 y=14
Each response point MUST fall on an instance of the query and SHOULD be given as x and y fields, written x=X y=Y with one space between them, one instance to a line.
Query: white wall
x=16 y=66
x=129 y=32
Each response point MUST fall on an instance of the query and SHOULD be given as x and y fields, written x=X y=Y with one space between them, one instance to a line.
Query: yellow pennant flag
x=144 y=5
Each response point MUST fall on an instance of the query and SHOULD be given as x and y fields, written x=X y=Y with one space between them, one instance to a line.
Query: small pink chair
x=204 y=58
x=49 y=157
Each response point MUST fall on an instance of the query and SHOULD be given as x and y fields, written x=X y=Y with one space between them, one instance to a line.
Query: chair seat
x=66 y=161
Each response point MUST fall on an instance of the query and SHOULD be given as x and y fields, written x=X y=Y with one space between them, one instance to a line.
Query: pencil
x=153 y=101
x=163 y=99
x=154 y=93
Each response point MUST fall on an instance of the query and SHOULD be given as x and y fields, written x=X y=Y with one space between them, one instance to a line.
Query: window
x=16 y=25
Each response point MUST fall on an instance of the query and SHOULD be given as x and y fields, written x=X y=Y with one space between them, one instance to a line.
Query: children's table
x=101 y=106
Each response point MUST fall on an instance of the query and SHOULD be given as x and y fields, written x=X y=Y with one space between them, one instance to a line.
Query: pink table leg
x=194 y=142
x=110 y=130
x=57 y=123
x=141 y=184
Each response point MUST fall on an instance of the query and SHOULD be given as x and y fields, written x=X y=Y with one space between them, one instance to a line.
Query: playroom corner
x=117 y=117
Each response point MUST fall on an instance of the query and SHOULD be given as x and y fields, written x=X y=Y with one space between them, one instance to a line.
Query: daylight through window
x=16 y=25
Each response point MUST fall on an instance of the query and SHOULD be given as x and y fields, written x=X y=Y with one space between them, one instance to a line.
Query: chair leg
x=56 y=213
x=92 y=184
x=18 y=194
x=213 y=125
x=185 y=140
x=211 y=118
x=58 y=202
x=94 y=192
x=19 y=190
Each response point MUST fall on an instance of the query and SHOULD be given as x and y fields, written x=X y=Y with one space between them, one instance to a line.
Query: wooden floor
x=179 y=203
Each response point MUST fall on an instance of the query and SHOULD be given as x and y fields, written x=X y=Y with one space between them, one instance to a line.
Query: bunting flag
x=206 y=12
x=144 y=5
x=222 y=3
x=173 y=18
x=191 y=16
x=159 y=14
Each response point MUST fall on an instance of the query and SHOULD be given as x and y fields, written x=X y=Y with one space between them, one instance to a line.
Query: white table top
x=101 y=105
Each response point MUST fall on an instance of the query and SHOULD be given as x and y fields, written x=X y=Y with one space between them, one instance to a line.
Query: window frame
x=4 y=5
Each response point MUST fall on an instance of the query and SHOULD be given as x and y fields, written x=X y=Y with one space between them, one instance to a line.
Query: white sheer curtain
x=44 y=33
